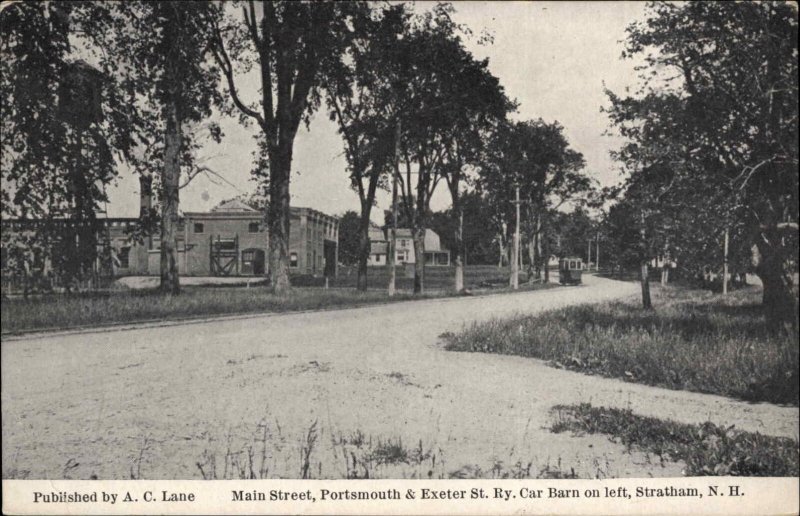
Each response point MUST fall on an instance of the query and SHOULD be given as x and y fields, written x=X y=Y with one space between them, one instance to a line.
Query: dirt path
x=178 y=395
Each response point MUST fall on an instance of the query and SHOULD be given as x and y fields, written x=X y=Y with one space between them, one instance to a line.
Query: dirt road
x=155 y=402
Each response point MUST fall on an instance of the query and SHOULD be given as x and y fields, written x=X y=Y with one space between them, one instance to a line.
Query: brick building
x=229 y=240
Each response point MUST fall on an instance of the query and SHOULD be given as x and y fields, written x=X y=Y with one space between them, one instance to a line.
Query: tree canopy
x=714 y=128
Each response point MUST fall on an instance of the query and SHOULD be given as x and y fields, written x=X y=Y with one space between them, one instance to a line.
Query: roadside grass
x=129 y=306
x=95 y=309
x=693 y=341
x=706 y=449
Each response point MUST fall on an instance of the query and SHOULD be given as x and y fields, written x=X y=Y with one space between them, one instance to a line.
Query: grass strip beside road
x=693 y=340
x=63 y=312
x=706 y=449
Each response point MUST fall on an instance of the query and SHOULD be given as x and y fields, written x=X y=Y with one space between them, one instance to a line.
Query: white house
x=435 y=254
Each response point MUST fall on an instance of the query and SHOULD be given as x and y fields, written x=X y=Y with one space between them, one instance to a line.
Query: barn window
x=198 y=227
x=252 y=227
x=225 y=244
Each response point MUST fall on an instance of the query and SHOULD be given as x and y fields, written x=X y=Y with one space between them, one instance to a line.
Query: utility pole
x=597 y=254
x=725 y=263
x=588 y=253
x=515 y=262
x=393 y=238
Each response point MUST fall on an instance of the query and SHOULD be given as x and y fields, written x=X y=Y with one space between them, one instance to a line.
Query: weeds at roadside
x=352 y=455
x=136 y=464
x=249 y=461
x=706 y=449
x=15 y=472
x=306 y=448
x=68 y=467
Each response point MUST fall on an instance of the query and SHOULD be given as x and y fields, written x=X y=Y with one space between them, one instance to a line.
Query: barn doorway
x=253 y=262
x=224 y=256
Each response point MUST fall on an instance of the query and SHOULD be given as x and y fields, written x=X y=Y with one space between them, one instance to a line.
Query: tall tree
x=350 y=238
x=65 y=127
x=720 y=92
x=536 y=156
x=353 y=88
x=163 y=49
x=443 y=86
x=479 y=107
x=290 y=44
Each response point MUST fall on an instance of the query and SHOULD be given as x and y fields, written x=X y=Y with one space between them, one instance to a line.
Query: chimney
x=145 y=196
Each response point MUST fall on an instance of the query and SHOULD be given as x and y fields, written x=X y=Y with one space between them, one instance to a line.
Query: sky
x=554 y=58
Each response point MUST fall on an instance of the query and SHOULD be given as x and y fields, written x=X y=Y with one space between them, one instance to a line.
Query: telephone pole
x=392 y=251
x=515 y=261
x=725 y=264
x=597 y=254
x=588 y=253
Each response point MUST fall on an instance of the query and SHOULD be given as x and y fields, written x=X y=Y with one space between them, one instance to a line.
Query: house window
x=252 y=227
x=293 y=260
x=198 y=227
x=124 y=257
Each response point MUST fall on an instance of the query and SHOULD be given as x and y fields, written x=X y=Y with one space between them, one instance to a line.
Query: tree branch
x=224 y=62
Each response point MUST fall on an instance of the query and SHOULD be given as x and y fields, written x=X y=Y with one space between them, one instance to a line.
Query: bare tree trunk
x=502 y=252
x=778 y=276
x=539 y=272
x=418 y=235
x=460 y=251
x=170 y=181
x=545 y=248
x=363 y=249
x=278 y=217
x=531 y=256
x=647 y=304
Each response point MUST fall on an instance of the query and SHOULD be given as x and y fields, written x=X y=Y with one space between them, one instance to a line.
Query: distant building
x=435 y=254
x=229 y=240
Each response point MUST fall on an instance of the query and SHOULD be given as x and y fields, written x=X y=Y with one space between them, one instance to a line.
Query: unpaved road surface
x=155 y=402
